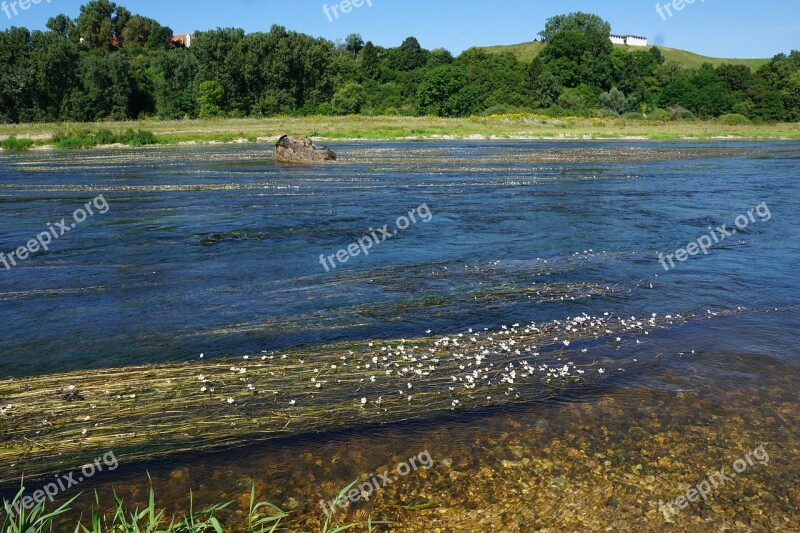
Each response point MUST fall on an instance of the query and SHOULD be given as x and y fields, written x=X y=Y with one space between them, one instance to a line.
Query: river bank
x=350 y=128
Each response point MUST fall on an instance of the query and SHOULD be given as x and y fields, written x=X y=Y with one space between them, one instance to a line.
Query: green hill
x=528 y=51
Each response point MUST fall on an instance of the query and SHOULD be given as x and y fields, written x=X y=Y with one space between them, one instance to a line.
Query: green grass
x=525 y=52
x=85 y=137
x=262 y=517
x=12 y=144
x=691 y=60
x=268 y=130
x=529 y=51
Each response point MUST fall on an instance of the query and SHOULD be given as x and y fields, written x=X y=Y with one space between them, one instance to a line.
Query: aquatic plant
x=140 y=411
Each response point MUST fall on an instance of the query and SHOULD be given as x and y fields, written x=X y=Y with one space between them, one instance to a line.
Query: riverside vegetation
x=17 y=137
x=110 y=64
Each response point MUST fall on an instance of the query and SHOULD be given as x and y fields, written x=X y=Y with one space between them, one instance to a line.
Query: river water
x=215 y=250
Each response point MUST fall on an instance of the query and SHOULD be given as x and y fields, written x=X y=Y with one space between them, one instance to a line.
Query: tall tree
x=101 y=24
x=593 y=26
x=354 y=43
x=370 y=62
x=410 y=55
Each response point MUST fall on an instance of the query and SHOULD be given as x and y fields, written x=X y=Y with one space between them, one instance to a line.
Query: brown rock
x=302 y=151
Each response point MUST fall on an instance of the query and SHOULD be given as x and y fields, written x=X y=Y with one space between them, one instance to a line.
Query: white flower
x=230 y=400
x=292 y=402
x=363 y=401
x=566 y=343
x=202 y=355
x=203 y=389
x=601 y=371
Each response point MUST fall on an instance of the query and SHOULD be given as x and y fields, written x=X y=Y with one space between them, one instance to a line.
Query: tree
x=209 y=98
x=349 y=99
x=410 y=55
x=439 y=56
x=175 y=88
x=62 y=25
x=101 y=24
x=370 y=62
x=445 y=92
x=614 y=100
x=546 y=90
x=137 y=32
x=791 y=96
x=594 y=27
x=143 y=32
x=106 y=89
x=56 y=61
x=221 y=57
x=354 y=43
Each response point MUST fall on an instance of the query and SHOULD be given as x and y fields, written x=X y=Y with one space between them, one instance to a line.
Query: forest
x=110 y=64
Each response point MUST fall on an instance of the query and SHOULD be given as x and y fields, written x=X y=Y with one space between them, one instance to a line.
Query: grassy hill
x=528 y=51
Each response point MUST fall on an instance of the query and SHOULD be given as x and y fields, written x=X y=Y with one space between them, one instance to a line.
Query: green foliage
x=733 y=119
x=409 y=56
x=86 y=138
x=445 y=92
x=209 y=98
x=33 y=520
x=101 y=24
x=349 y=99
x=137 y=138
x=613 y=100
x=12 y=144
x=262 y=517
x=110 y=64
x=592 y=26
x=354 y=43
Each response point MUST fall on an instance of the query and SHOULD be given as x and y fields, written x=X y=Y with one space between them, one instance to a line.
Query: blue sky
x=719 y=28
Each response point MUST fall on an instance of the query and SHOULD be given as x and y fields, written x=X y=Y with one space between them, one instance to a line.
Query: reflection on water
x=215 y=251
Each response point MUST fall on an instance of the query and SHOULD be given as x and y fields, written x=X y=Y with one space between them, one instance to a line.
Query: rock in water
x=300 y=150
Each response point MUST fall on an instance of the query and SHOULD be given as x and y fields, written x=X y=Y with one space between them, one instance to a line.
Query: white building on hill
x=630 y=40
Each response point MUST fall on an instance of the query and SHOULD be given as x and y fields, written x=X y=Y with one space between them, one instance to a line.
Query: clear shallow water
x=215 y=250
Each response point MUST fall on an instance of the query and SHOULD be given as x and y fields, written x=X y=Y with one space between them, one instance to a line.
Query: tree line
x=111 y=64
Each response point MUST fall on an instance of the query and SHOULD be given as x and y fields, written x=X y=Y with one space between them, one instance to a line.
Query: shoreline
x=433 y=138
x=44 y=136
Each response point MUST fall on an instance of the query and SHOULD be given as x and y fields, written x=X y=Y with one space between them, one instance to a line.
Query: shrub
x=12 y=144
x=138 y=138
x=498 y=109
x=105 y=136
x=678 y=113
x=76 y=143
x=659 y=114
x=633 y=115
x=733 y=119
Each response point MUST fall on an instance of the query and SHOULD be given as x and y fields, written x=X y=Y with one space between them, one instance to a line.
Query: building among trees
x=630 y=40
x=184 y=39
